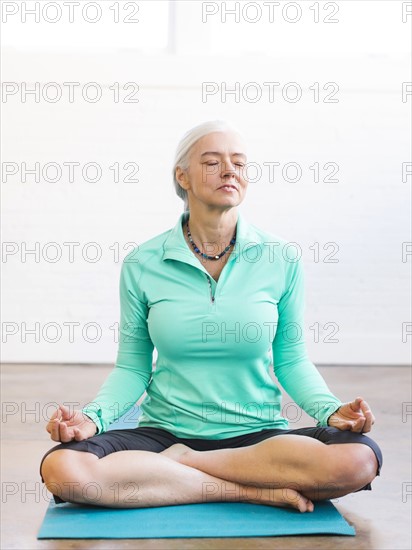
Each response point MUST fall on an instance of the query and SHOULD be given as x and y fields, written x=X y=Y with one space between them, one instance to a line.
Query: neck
x=211 y=231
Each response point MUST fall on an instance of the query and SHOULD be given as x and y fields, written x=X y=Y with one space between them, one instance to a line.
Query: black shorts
x=145 y=438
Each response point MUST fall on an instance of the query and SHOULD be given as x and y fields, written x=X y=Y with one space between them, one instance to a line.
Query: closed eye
x=215 y=163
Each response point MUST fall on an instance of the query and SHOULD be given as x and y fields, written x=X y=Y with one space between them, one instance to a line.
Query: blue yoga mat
x=211 y=519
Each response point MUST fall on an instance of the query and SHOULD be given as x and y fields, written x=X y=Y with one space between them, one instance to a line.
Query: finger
x=66 y=414
x=364 y=406
x=350 y=425
x=65 y=435
x=358 y=424
x=78 y=436
x=368 y=420
x=49 y=426
x=356 y=404
x=54 y=415
x=55 y=430
x=341 y=424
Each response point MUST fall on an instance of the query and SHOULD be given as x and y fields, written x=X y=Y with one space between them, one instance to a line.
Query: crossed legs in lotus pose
x=285 y=470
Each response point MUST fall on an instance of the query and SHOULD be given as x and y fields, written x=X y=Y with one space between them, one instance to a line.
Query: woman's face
x=217 y=171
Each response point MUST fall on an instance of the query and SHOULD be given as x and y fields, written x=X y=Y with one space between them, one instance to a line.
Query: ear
x=181 y=177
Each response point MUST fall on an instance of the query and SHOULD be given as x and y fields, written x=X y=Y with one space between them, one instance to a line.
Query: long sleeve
x=132 y=372
x=292 y=366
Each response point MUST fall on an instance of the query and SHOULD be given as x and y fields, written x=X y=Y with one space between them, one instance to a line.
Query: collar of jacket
x=176 y=248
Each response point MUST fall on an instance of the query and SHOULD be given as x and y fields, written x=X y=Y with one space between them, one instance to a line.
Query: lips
x=232 y=186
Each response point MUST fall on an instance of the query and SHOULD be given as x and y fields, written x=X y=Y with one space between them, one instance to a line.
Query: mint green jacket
x=216 y=341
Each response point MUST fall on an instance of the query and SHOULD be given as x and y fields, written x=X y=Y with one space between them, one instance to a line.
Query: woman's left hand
x=355 y=416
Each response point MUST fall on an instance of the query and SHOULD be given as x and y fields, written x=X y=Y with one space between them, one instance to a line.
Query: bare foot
x=270 y=496
x=176 y=451
x=284 y=498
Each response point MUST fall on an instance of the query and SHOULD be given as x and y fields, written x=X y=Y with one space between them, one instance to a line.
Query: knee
x=66 y=472
x=359 y=467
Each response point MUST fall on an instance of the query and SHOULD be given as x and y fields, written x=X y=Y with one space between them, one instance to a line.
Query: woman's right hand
x=65 y=425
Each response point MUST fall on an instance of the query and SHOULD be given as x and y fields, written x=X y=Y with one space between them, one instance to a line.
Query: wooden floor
x=382 y=517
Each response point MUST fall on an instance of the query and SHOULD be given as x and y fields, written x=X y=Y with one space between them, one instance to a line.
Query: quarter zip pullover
x=216 y=340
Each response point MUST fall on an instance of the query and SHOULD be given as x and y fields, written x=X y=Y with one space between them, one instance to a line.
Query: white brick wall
x=367 y=213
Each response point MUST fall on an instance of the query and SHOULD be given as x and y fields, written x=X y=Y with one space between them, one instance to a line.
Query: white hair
x=182 y=155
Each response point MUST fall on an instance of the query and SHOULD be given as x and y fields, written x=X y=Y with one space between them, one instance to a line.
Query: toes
x=296 y=500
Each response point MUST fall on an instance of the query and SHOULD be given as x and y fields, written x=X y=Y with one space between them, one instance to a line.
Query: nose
x=228 y=169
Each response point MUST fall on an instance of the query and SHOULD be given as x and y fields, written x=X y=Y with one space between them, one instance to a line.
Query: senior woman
x=221 y=303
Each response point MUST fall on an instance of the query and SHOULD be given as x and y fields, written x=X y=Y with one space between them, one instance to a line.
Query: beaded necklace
x=197 y=250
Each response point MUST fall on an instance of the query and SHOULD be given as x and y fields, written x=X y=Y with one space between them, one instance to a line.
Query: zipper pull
x=210 y=286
